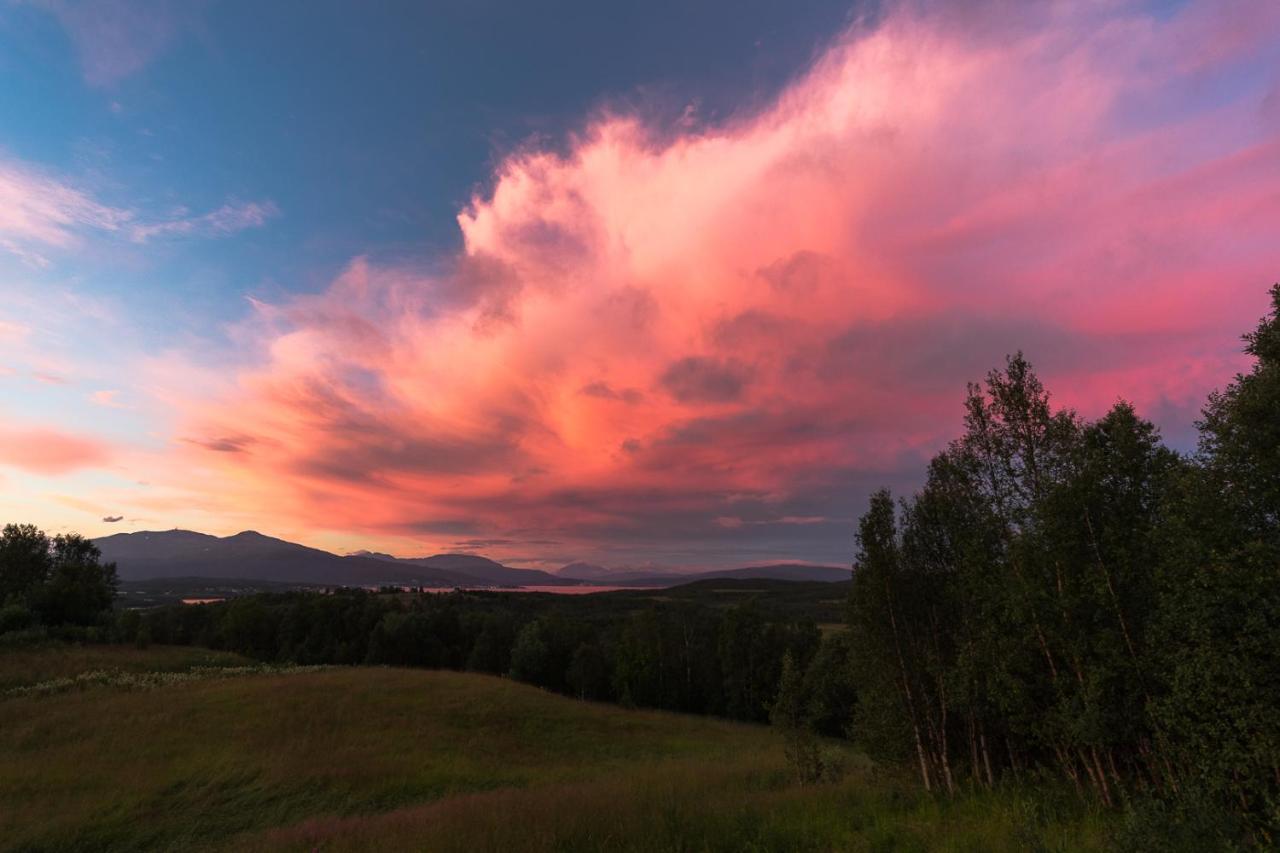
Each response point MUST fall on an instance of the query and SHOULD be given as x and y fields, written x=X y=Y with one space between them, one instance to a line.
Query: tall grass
x=749 y=804
x=390 y=759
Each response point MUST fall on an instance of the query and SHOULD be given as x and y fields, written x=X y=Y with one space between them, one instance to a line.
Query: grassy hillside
x=407 y=759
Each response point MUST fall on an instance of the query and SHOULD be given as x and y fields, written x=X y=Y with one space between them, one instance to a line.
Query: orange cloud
x=723 y=338
x=42 y=450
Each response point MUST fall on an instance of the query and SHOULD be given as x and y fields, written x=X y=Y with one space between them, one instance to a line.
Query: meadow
x=352 y=758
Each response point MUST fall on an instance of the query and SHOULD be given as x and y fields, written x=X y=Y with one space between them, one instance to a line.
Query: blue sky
x=367 y=127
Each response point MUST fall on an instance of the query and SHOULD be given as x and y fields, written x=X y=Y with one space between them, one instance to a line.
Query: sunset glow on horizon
x=654 y=336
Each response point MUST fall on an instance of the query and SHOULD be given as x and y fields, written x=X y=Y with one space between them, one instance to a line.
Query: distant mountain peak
x=373 y=555
x=580 y=570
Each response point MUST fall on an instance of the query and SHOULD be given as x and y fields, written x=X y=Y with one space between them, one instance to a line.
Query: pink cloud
x=49 y=451
x=732 y=333
x=40 y=209
x=13 y=332
x=107 y=399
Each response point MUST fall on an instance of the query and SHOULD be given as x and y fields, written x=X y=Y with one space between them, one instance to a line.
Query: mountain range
x=150 y=555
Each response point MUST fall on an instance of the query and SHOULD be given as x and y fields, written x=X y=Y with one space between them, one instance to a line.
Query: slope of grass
x=395 y=759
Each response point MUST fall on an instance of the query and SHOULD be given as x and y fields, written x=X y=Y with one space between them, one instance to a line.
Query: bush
x=1185 y=825
x=15 y=617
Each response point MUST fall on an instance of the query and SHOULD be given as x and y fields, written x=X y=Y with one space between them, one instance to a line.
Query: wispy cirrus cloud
x=702 y=340
x=38 y=210
x=227 y=219
x=41 y=213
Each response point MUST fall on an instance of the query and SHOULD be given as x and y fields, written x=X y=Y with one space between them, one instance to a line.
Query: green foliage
x=1004 y=624
x=1072 y=597
x=15 y=617
x=588 y=675
x=791 y=714
x=882 y=725
x=751 y=651
x=1218 y=630
x=830 y=688
x=644 y=650
x=531 y=656
x=1182 y=824
x=491 y=651
x=54 y=582
x=24 y=561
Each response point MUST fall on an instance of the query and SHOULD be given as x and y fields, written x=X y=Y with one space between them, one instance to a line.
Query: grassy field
x=391 y=759
x=25 y=666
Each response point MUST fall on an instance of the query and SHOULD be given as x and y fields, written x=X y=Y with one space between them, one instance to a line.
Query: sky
x=643 y=284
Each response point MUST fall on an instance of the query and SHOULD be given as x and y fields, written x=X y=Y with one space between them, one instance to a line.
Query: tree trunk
x=1103 y=787
x=943 y=749
x=986 y=758
x=974 y=766
x=1068 y=767
x=906 y=688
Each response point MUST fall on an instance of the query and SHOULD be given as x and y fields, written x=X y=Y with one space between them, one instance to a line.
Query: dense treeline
x=1070 y=596
x=681 y=651
x=674 y=655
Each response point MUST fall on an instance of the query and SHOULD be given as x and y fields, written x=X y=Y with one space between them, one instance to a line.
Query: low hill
x=210 y=753
x=780 y=572
x=823 y=602
x=489 y=571
x=481 y=570
x=787 y=572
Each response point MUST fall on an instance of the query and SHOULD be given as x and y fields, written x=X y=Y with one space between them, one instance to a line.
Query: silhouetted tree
x=58 y=581
x=1218 y=626
x=830 y=688
x=531 y=656
x=790 y=714
x=80 y=587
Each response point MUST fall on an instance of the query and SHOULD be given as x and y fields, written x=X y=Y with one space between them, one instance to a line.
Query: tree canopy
x=52 y=581
x=1073 y=596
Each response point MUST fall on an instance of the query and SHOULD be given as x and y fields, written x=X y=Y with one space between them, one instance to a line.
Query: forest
x=1063 y=601
x=1070 y=597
